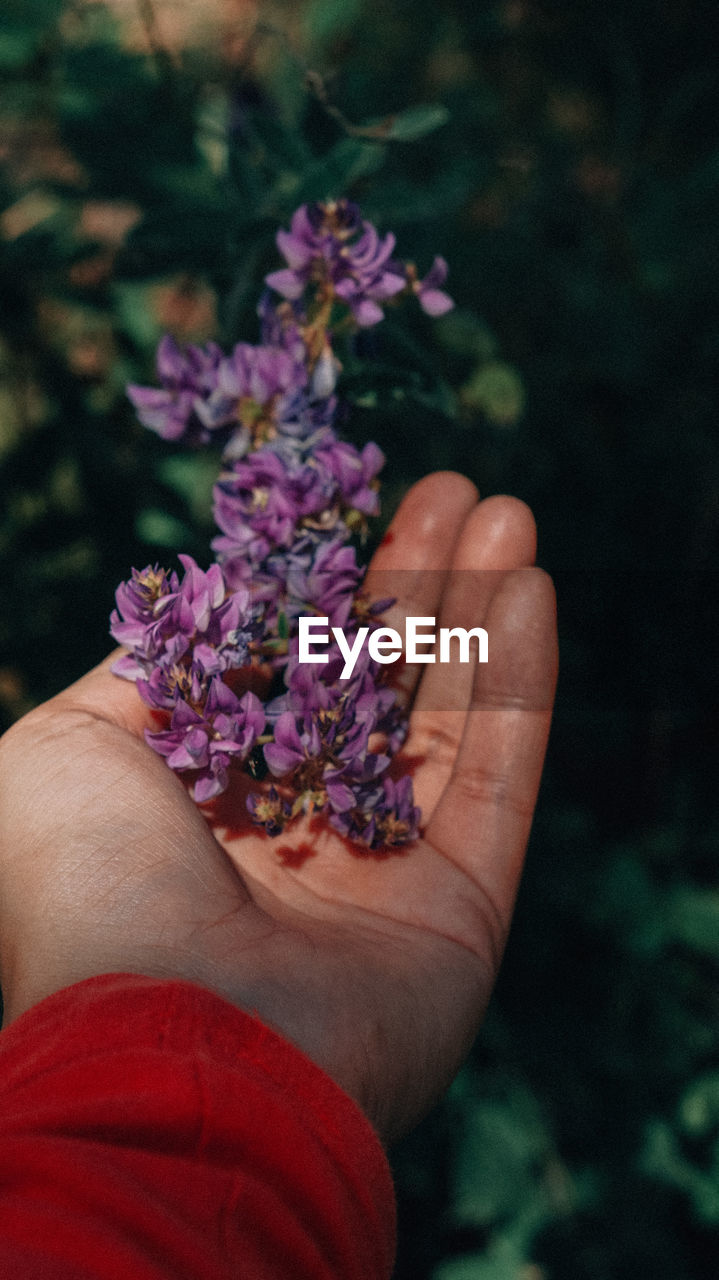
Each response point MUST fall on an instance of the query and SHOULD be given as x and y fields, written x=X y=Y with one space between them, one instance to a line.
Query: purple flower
x=331 y=245
x=141 y=601
x=379 y=815
x=354 y=473
x=271 y=501
x=432 y=297
x=240 y=549
x=313 y=744
x=280 y=325
x=207 y=741
x=188 y=379
x=245 y=398
x=290 y=749
x=321 y=732
x=324 y=579
x=143 y=621
x=269 y=810
x=310 y=688
x=198 y=595
x=194 y=624
x=258 y=389
x=270 y=496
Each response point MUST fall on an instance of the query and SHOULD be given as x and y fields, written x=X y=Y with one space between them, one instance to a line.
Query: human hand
x=379 y=968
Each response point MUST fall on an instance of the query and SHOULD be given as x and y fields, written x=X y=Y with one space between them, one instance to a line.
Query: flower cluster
x=183 y=636
x=331 y=246
x=289 y=498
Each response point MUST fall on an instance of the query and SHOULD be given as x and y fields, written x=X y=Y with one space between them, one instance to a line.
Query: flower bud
x=324 y=374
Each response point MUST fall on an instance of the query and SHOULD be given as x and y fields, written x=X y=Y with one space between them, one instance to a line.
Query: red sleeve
x=151 y=1131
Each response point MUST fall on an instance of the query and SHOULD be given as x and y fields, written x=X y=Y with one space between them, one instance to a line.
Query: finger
x=498 y=536
x=483 y=817
x=426 y=524
x=411 y=564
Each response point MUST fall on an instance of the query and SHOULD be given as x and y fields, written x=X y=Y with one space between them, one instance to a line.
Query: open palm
x=378 y=967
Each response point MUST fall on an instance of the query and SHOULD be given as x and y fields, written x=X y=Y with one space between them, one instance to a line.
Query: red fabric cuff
x=150 y=1129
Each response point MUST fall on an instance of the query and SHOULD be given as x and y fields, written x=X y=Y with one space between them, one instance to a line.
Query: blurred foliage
x=564 y=158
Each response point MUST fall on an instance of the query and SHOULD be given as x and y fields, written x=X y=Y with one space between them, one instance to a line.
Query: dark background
x=565 y=161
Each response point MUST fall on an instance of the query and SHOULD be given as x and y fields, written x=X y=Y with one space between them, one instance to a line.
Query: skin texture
x=379 y=968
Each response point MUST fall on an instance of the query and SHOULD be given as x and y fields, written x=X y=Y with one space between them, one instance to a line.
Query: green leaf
x=699 y=1108
x=693 y=919
x=501 y=1262
x=157 y=527
x=194 y=185
x=132 y=307
x=16 y=48
x=663 y=1158
x=501 y=1144
x=414 y=123
x=497 y=389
